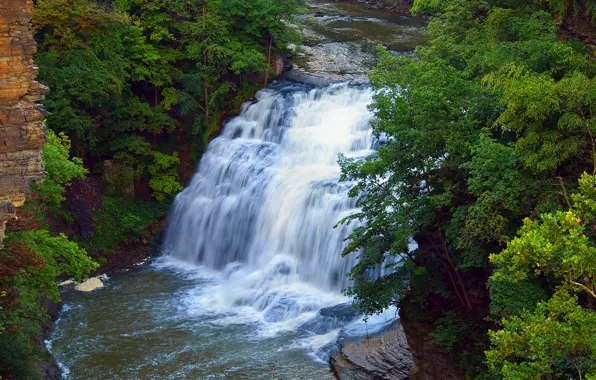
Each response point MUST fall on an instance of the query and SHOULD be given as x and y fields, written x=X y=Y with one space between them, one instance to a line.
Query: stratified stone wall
x=22 y=132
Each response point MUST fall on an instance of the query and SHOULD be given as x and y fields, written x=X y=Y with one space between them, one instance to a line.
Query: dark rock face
x=48 y=368
x=84 y=199
x=577 y=24
x=431 y=362
x=383 y=356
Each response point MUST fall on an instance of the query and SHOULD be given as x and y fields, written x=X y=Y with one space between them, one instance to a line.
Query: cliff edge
x=22 y=132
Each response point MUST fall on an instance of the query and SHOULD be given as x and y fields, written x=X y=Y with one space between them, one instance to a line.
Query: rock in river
x=89 y=285
x=383 y=356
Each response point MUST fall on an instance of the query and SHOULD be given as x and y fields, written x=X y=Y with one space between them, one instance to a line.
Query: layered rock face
x=22 y=132
x=383 y=356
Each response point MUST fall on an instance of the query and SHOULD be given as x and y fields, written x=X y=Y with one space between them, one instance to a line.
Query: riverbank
x=400 y=7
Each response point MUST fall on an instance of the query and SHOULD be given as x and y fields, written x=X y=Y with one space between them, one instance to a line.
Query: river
x=250 y=283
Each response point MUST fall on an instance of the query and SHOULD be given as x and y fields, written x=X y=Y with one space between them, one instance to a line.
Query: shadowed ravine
x=250 y=284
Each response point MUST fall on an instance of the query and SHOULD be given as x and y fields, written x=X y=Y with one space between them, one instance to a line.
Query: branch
x=564 y=190
x=584 y=287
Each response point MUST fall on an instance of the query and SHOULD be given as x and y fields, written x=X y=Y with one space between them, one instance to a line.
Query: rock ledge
x=385 y=355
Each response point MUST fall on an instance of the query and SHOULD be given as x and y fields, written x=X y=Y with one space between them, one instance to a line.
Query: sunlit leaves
x=557 y=340
x=164 y=175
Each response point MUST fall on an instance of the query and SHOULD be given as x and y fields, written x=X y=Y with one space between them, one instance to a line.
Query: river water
x=250 y=283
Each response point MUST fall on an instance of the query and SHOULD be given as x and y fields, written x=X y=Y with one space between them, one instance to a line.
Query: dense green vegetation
x=489 y=163
x=137 y=82
x=135 y=86
x=32 y=260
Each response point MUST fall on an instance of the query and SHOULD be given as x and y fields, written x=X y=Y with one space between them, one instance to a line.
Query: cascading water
x=262 y=207
x=267 y=190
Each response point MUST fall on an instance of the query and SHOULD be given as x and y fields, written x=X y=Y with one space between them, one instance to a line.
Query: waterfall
x=261 y=209
x=267 y=190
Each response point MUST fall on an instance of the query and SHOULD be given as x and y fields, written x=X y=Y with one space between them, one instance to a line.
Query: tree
x=164 y=181
x=490 y=123
x=557 y=337
x=60 y=171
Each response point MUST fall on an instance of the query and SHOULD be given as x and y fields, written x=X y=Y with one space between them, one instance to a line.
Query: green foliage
x=556 y=245
x=121 y=73
x=484 y=127
x=29 y=266
x=164 y=176
x=512 y=297
x=557 y=340
x=124 y=221
x=59 y=255
x=60 y=171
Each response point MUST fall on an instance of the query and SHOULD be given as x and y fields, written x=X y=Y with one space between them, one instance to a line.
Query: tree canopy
x=486 y=132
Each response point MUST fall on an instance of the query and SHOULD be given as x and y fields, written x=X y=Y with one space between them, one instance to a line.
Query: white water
x=261 y=209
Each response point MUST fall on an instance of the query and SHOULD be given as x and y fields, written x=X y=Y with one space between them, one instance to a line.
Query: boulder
x=67 y=282
x=89 y=285
x=385 y=355
x=331 y=318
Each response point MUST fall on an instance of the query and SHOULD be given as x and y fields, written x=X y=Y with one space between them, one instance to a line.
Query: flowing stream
x=250 y=284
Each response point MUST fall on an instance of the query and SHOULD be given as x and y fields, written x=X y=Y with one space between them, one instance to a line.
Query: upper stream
x=250 y=284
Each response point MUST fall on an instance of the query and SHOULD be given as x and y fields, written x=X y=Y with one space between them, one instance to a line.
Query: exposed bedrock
x=22 y=132
x=385 y=355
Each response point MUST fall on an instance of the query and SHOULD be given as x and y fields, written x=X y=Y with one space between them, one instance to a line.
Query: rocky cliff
x=431 y=362
x=382 y=356
x=22 y=132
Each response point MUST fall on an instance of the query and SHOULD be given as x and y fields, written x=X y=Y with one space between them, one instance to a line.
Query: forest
x=487 y=162
x=137 y=90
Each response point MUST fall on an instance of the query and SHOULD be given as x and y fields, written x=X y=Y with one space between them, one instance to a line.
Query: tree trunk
x=451 y=263
x=205 y=88
x=268 y=60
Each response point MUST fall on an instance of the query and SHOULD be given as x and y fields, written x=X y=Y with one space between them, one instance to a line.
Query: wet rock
x=309 y=79
x=89 y=285
x=285 y=309
x=385 y=355
x=344 y=311
x=331 y=318
x=282 y=268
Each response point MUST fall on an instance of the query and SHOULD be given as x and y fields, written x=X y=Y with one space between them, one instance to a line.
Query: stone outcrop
x=578 y=24
x=22 y=132
x=383 y=356
x=431 y=362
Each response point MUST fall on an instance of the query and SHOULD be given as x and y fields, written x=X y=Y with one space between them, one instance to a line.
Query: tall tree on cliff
x=490 y=123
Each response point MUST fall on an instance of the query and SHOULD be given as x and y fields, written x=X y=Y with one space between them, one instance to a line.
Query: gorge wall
x=22 y=133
